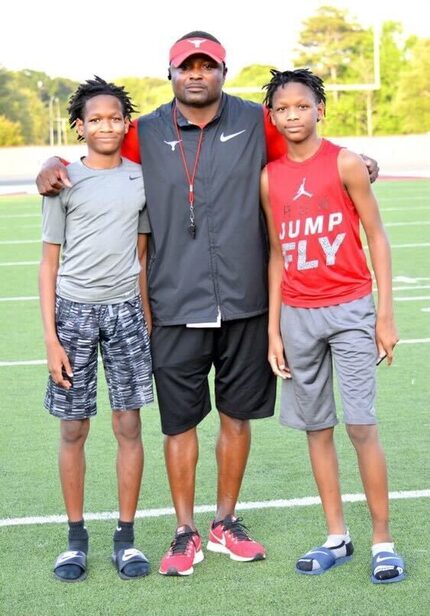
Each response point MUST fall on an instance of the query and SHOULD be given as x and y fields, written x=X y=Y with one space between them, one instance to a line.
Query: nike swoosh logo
x=130 y=553
x=223 y=138
x=134 y=178
x=380 y=559
x=66 y=556
x=222 y=539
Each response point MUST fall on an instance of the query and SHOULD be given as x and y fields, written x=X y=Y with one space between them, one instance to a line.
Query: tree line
x=33 y=106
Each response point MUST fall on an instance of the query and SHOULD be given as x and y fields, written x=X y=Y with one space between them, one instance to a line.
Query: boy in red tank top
x=322 y=311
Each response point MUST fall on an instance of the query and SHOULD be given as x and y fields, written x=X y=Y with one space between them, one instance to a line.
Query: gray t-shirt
x=97 y=221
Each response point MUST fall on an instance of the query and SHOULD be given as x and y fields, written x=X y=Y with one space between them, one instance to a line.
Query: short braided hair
x=96 y=87
x=299 y=75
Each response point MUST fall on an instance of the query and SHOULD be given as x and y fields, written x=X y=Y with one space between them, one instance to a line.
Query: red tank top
x=319 y=229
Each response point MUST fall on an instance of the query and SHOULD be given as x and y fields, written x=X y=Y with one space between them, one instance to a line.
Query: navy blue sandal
x=325 y=558
x=387 y=568
x=130 y=564
x=71 y=566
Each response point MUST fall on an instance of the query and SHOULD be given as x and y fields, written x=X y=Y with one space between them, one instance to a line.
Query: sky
x=116 y=40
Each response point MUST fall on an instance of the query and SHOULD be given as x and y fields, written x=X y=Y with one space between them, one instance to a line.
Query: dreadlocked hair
x=299 y=75
x=96 y=87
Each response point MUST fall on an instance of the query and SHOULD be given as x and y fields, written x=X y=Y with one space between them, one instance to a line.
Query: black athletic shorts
x=182 y=358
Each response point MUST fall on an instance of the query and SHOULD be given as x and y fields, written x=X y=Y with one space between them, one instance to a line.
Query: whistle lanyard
x=192 y=227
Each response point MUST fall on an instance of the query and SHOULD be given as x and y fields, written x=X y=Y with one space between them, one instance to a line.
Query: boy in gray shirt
x=96 y=298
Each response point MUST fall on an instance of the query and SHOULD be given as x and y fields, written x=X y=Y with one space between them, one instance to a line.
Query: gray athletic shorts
x=120 y=331
x=313 y=339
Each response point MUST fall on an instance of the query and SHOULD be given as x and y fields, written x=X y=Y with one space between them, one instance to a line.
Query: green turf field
x=278 y=468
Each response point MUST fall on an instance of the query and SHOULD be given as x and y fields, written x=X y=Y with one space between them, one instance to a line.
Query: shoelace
x=180 y=542
x=237 y=529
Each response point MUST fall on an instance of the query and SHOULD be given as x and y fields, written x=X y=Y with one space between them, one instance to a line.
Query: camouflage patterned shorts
x=119 y=330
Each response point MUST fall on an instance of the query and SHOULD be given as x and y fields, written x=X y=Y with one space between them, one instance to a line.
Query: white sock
x=382 y=547
x=335 y=540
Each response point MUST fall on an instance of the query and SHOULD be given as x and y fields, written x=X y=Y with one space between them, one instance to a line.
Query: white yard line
x=33 y=298
x=39 y=241
x=383 y=210
x=420 y=245
x=14 y=242
x=403 y=288
x=412 y=299
x=2 y=216
x=404 y=199
x=28 y=298
x=18 y=263
x=410 y=279
x=307 y=501
x=41 y=362
x=29 y=362
x=407 y=224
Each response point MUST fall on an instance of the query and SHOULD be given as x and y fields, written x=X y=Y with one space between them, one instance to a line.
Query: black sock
x=123 y=537
x=78 y=536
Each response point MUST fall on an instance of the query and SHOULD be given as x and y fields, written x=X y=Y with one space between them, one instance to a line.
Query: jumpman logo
x=302 y=192
x=172 y=144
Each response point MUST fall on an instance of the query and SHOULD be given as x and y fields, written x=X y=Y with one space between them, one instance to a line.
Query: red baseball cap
x=185 y=48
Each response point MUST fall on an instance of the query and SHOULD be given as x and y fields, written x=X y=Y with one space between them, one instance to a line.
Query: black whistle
x=192 y=230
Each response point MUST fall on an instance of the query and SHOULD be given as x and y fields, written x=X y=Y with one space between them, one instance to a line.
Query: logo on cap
x=196 y=42
x=185 y=48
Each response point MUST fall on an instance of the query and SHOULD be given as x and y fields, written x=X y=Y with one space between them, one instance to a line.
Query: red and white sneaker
x=230 y=536
x=184 y=552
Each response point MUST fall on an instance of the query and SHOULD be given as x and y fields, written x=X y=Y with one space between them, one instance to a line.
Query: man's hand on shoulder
x=372 y=167
x=52 y=177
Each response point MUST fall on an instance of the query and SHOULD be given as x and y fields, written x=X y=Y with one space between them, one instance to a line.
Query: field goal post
x=346 y=87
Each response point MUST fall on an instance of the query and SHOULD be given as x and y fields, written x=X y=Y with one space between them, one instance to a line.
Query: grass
x=278 y=469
